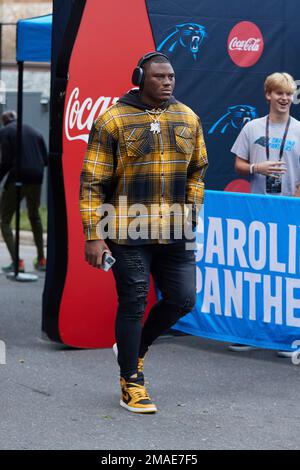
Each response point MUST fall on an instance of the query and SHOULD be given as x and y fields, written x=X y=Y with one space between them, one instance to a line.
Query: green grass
x=24 y=221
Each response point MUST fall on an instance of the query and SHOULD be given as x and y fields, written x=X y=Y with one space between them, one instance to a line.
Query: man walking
x=145 y=154
x=33 y=159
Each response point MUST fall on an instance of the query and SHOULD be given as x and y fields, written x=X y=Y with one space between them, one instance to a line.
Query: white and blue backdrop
x=248 y=266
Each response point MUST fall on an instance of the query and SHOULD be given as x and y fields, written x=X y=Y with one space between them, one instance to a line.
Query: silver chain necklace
x=155 y=116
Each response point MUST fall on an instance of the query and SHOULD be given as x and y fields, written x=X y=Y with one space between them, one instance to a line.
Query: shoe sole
x=153 y=409
x=240 y=348
x=287 y=354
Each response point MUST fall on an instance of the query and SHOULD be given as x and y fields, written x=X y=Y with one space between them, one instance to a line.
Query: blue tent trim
x=34 y=39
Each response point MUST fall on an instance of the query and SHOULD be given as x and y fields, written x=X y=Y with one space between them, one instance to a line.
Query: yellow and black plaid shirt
x=141 y=174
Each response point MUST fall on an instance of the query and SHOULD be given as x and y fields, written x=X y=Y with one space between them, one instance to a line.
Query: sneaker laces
x=138 y=392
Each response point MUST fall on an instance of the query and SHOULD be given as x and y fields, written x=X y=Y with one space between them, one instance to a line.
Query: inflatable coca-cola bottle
x=101 y=47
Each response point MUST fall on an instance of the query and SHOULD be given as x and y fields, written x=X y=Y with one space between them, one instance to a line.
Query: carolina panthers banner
x=248 y=271
x=222 y=52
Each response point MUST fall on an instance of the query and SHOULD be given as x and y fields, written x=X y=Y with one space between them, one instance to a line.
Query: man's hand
x=94 y=250
x=270 y=168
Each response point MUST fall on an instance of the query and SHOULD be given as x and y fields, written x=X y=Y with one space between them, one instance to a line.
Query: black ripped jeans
x=174 y=272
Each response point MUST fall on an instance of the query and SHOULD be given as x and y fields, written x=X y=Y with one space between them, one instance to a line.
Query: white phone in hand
x=107 y=261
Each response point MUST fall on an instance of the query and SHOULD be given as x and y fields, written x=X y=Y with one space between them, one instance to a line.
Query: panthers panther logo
x=235 y=118
x=261 y=141
x=187 y=35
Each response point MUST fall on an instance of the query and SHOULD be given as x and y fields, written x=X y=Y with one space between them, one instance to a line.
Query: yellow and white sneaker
x=134 y=396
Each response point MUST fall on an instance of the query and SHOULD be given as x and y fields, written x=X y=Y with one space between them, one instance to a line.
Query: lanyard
x=283 y=140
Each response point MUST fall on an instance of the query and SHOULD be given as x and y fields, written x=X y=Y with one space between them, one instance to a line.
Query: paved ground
x=53 y=397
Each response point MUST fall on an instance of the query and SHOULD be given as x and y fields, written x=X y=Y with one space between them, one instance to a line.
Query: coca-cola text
x=79 y=116
x=251 y=44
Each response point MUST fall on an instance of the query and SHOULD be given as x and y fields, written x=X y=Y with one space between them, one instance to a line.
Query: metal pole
x=18 y=183
x=1 y=31
x=0 y=50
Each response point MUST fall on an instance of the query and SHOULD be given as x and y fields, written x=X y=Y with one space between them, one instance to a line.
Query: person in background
x=33 y=160
x=268 y=150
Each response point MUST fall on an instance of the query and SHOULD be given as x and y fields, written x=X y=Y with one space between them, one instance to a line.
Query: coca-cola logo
x=80 y=114
x=245 y=44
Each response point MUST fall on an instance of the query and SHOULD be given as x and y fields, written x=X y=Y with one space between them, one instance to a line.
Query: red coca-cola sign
x=245 y=44
x=97 y=77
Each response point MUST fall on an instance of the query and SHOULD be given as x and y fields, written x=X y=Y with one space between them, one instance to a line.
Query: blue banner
x=248 y=266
